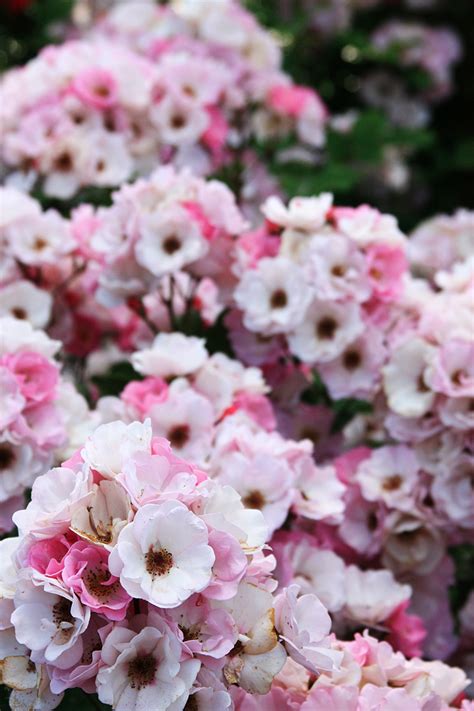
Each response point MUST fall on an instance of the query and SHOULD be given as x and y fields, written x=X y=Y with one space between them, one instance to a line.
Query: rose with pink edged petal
x=86 y=571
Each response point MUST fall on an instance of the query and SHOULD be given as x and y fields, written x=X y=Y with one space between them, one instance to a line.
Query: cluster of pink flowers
x=150 y=583
x=167 y=239
x=318 y=281
x=153 y=587
x=262 y=514
x=41 y=414
x=146 y=88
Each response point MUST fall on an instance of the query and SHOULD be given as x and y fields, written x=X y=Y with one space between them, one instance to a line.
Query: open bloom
x=142 y=670
x=163 y=556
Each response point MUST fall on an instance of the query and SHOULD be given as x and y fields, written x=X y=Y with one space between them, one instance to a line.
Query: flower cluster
x=371 y=676
x=41 y=412
x=150 y=583
x=318 y=280
x=143 y=90
x=166 y=238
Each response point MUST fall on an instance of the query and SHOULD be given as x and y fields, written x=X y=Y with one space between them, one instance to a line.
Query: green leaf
x=346 y=409
x=116 y=378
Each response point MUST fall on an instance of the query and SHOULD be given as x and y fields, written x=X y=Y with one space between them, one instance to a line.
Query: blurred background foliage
x=328 y=47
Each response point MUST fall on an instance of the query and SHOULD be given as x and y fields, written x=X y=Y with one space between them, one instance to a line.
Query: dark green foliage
x=463 y=557
x=23 y=32
x=90 y=195
x=441 y=160
x=116 y=378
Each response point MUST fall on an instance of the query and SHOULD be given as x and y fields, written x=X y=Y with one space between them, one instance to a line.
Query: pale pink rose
x=452 y=370
x=337 y=268
x=50 y=622
x=112 y=444
x=372 y=595
x=391 y=475
x=264 y=483
x=121 y=681
x=328 y=327
x=319 y=493
x=163 y=556
x=83 y=674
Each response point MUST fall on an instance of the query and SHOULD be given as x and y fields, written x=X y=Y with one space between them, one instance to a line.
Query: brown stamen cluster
x=254 y=499
x=278 y=299
x=94 y=581
x=178 y=435
x=141 y=671
x=61 y=615
x=7 y=456
x=158 y=562
x=326 y=328
x=392 y=483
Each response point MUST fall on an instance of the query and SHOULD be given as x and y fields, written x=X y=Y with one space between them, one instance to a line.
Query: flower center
x=178 y=121
x=392 y=483
x=458 y=376
x=372 y=521
x=178 y=435
x=18 y=312
x=94 y=581
x=338 y=270
x=63 y=162
x=278 y=299
x=191 y=704
x=40 y=243
x=102 y=90
x=159 y=562
x=141 y=671
x=63 y=620
x=171 y=244
x=310 y=433
x=351 y=360
x=326 y=328
x=254 y=500
x=7 y=456
x=421 y=386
